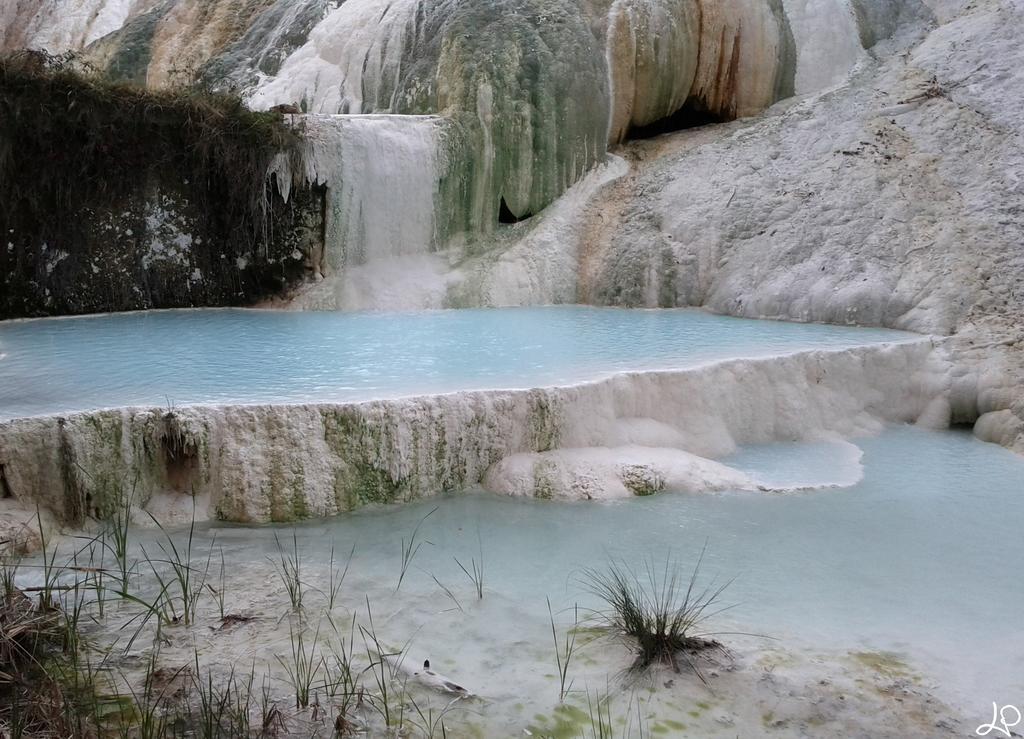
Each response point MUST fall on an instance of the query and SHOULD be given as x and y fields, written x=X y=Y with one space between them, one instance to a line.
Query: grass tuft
x=475 y=572
x=564 y=652
x=410 y=548
x=659 y=609
x=338 y=578
x=305 y=665
x=289 y=569
x=186 y=582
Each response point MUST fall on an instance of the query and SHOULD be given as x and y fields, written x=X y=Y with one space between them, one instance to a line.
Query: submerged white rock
x=603 y=473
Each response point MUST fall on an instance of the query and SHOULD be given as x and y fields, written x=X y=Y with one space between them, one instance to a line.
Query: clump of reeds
x=564 y=652
x=289 y=570
x=181 y=588
x=305 y=664
x=659 y=608
x=475 y=572
x=410 y=549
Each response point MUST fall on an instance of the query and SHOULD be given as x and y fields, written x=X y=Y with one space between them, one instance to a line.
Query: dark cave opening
x=691 y=115
x=505 y=215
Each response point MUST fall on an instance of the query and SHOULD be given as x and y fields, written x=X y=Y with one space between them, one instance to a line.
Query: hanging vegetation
x=162 y=195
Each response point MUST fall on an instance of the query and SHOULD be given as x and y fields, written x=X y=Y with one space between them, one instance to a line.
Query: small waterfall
x=383 y=175
x=388 y=209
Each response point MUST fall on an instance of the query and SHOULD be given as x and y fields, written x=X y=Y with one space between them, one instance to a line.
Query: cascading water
x=383 y=188
x=382 y=174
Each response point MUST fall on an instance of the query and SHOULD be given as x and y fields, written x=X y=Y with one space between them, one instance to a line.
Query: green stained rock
x=641 y=480
x=359 y=481
x=544 y=422
x=126 y=54
x=527 y=87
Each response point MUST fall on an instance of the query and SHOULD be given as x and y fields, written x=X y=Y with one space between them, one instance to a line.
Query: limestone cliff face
x=538 y=88
x=531 y=91
x=727 y=59
x=59 y=25
x=157 y=249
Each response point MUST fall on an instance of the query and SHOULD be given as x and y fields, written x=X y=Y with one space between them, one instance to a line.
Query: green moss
x=887 y=664
x=527 y=92
x=565 y=722
x=344 y=500
x=372 y=485
x=544 y=422
x=348 y=434
x=300 y=506
x=641 y=480
x=97 y=476
x=274 y=491
x=543 y=480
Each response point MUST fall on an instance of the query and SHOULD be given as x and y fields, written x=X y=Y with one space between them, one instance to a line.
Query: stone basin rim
x=271 y=308
x=935 y=341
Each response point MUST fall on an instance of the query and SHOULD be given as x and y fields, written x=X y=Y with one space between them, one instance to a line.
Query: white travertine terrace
x=284 y=462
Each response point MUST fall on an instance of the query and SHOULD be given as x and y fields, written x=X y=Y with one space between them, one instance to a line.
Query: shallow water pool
x=248 y=356
x=920 y=559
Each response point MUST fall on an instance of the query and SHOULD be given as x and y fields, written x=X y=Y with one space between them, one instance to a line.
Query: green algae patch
x=544 y=422
x=887 y=664
x=527 y=86
x=642 y=481
x=666 y=727
x=565 y=722
x=372 y=485
x=543 y=479
x=359 y=481
x=96 y=474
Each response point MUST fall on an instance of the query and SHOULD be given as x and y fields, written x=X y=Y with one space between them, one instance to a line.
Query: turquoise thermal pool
x=920 y=559
x=897 y=562
x=50 y=366
x=904 y=548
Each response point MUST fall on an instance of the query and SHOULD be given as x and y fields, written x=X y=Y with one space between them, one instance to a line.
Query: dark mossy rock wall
x=114 y=198
x=157 y=250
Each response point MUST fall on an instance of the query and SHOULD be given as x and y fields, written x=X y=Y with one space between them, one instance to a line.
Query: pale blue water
x=246 y=356
x=923 y=557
